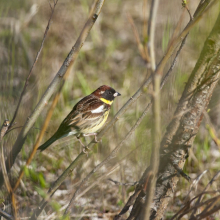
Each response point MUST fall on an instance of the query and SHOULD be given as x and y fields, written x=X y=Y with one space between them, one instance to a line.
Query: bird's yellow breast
x=98 y=125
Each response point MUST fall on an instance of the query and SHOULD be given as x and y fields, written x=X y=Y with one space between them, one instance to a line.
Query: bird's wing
x=86 y=112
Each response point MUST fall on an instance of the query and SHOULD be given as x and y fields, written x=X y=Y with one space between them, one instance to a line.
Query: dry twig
x=6 y=215
x=208 y=207
x=85 y=180
x=49 y=112
x=35 y=61
x=3 y=130
x=156 y=132
x=151 y=33
x=143 y=52
x=123 y=184
x=30 y=120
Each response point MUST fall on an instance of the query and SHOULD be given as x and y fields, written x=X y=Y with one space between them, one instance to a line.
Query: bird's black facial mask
x=110 y=94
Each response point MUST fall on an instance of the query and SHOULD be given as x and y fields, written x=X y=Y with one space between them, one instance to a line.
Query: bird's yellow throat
x=106 y=101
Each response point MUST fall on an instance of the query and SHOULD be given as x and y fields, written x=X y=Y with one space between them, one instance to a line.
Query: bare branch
x=3 y=130
x=156 y=132
x=50 y=5
x=152 y=25
x=128 y=204
x=94 y=170
x=143 y=53
x=35 y=61
x=123 y=184
x=184 y=4
x=6 y=215
x=45 y=125
x=145 y=26
x=29 y=123
x=187 y=209
x=207 y=187
x=195 y=183
x=208 y=207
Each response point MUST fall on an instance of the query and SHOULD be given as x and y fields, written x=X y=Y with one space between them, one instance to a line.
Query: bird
x=87 y=117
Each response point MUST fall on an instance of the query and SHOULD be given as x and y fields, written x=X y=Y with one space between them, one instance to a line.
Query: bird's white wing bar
x=98 y=110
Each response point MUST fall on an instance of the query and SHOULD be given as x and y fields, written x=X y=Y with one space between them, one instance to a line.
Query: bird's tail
x=48 y=143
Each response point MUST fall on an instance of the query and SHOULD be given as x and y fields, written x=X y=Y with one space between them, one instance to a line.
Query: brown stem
x=35 y=61
x=3 y=130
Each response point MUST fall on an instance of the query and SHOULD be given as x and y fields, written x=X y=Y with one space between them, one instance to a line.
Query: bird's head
x=106 y=94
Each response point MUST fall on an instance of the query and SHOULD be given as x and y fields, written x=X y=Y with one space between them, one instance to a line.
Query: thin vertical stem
x=152 y=21
x=3 y=130
x=156 y=136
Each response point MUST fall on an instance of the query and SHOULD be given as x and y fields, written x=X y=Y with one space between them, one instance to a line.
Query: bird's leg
x=80 y=141
x=92 y=134
x=85 y=148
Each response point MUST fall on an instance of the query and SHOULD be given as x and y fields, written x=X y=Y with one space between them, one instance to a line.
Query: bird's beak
x=117 y=94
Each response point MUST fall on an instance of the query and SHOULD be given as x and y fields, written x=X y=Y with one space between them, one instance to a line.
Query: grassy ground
x=109 y=56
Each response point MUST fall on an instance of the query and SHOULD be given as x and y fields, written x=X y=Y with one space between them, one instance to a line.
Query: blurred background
x=109 y=56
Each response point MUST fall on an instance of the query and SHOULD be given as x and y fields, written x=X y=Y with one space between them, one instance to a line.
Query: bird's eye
x=109 y=93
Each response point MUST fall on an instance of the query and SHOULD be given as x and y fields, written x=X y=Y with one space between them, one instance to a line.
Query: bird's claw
x=96 y=140
x=86 y=150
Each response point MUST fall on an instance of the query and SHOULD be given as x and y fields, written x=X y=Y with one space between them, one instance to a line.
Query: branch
x=142 y=51
x=198 y=204
x=35 y=61
x=6 y=215
x=207 y=187
x=3 y=130
x=43 y=130
x=17 y=149
x=156 y=133
x=145 y=27
x=76 y=194
x=122 y=184
x=151 y=30
x=46 y=122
